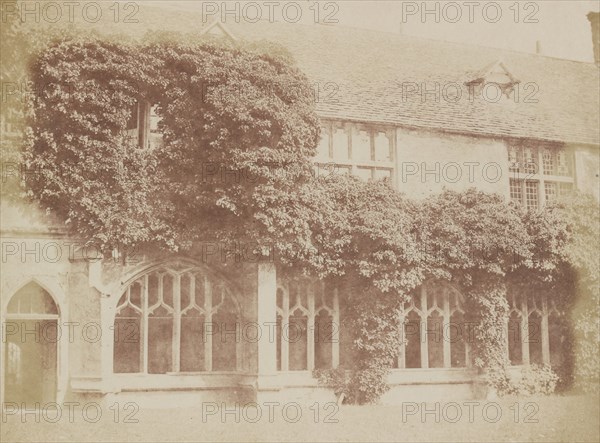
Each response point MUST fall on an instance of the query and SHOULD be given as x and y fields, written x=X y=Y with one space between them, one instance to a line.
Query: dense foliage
x=249 y=113
x=121 y=195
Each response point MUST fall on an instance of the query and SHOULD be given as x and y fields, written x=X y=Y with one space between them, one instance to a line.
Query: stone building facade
x=411 y=111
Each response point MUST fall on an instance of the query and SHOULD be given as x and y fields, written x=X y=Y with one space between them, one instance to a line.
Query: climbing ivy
x=247 y=112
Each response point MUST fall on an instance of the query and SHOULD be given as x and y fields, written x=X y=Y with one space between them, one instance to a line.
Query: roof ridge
x=417 y=37
x=160 y=4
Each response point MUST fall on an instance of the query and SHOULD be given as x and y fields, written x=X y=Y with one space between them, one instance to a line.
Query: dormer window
x=496 y=74
x=218 y=29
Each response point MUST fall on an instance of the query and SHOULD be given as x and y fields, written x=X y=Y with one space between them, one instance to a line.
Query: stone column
x=107 y=315
x=266 y=319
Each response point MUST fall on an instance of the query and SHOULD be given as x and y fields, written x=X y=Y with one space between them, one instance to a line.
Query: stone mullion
x=446 y=322
x=545 y=332
x=285 y=329
x=541 y=183
x=239 y=348
x=330 y=129
x=175 y=349
x=335 y=333
x=144 y=332
x=310 y=328
x=423 y=334
x=507 y=337
x=208 y=324
x=402 y=350
x=525 y=330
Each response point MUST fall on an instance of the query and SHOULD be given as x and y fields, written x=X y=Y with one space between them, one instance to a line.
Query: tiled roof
x=375 y=73
x=361 y=74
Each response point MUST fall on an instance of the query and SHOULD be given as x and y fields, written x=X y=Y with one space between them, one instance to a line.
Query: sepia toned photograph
x=300 y=221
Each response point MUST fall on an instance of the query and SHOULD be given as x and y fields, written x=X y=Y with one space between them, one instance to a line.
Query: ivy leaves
x=236 y=116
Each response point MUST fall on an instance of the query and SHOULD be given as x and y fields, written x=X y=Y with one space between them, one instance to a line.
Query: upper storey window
x=143 y=125
x=539 y=173
x=362 y=150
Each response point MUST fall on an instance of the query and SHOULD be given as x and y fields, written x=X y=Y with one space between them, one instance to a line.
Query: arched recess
x=434 y=331
x=176 y=317
x=32 y=351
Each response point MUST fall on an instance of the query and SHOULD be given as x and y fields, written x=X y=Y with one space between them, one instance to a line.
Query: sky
x=560 y=26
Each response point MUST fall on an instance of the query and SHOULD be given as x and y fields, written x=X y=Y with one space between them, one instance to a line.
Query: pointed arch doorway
x=31 y=347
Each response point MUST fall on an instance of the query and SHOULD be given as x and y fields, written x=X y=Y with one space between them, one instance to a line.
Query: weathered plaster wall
x=428 y=162
x=587 y=167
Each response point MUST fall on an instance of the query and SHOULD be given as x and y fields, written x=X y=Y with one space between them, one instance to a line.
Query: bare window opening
x=412 y=335
x=323 y=147
x=535 y=339
x=323 y=341
x=346 y=345
x=30 y=359
x=558 y=339
x=162 y=320
x=296 y=336
x=435 y=340
x=457 y=334
x=32 y=299
x=340 y=144
x=278 y=338
x=155 y=137
x=225 y=337
x=361 y=146
x=515 y=340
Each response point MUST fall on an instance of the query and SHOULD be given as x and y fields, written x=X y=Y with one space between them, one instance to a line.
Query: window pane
x=383 y=151
x=340 y=144
x=563 y=166
x=564 y=189
x=155 y=136
x=361 y=146
x=514 y=159
x=323 y=147
x=516 y=193
x=531 y=189
x=548 y=157
x=550 y=191
x=530 y=160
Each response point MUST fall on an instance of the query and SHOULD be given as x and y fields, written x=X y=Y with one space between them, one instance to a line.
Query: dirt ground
x=549 y=419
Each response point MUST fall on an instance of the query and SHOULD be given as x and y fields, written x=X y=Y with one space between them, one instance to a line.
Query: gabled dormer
x=218 y=29
x=496 y=74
